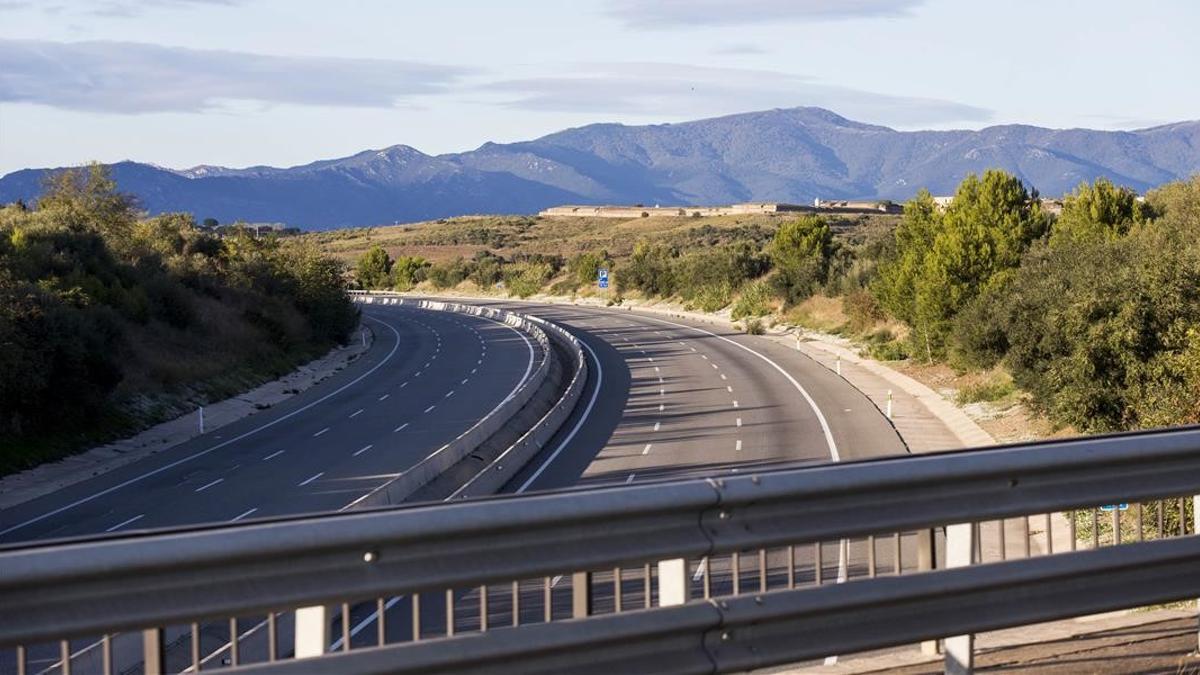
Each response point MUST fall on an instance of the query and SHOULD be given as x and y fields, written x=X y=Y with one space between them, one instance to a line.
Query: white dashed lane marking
x=320 y=432
x=306 y=482
x=204 y=487
x=356 y=413
x=646 y=450
x=384 y=397
x=657 y=425
x=124 y=523
x=273 y=455
x=738 y=446
x=400 y=428
x=430 y=408
x=244 y=514
x=364 y=449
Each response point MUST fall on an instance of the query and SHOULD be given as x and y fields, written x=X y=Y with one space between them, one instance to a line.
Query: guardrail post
x=672 y=582
x=581 y=594
x=154 y=655
x=927 y=562
x=312 y=631
x=960 y=549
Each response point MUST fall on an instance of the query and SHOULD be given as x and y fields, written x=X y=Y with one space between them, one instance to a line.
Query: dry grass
x=820 y=313
x=509 y=235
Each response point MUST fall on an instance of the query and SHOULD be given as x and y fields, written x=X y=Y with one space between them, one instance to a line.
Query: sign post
x=602 y=277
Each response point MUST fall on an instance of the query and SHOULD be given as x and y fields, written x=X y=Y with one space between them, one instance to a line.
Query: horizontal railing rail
x=77 y=588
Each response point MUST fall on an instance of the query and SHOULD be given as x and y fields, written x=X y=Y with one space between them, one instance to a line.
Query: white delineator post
x=839 y=365
x=201 y=419
x=960 y=550
x=889 y=404
x=312 y=631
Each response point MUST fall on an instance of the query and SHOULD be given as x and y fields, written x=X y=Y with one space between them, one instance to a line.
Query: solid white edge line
x=578 y=424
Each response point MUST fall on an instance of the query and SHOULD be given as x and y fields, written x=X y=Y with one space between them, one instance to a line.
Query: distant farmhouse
x=748 y=208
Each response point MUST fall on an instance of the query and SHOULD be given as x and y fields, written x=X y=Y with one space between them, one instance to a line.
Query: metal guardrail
x=75 y=589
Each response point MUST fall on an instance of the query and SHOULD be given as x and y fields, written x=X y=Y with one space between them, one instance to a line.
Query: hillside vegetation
x=110 y=322
x=1093 y=314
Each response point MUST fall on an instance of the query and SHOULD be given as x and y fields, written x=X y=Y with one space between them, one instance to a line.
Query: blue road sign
x=1115 y=507
x=602 y=277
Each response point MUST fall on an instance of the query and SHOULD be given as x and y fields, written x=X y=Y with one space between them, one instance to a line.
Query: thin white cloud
x=110 y=8
x=741 y=49
x=126 y=77
x=656 y=14
x=665 y=90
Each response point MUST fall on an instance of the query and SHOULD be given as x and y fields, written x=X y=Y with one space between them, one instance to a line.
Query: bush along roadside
x=111 y=321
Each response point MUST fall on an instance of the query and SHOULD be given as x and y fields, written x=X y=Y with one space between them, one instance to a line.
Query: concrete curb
x=963 y=427
x=398 y=489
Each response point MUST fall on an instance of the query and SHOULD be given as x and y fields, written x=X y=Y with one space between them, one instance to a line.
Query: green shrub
x=896 y=350
x=525 y=279
x=754 y=300
x=109 y=321
x=755 y=327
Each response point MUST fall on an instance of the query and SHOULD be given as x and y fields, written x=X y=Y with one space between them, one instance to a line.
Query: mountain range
x=789 y=155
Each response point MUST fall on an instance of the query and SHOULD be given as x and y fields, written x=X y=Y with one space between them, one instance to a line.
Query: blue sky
x=282 y=82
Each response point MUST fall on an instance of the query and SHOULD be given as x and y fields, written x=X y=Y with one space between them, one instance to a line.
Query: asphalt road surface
x=671 y=398
x=429 y=377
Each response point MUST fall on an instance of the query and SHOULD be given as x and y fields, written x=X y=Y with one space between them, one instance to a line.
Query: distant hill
x=791 y=155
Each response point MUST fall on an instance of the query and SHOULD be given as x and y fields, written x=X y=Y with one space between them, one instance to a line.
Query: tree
x=1098 y=211
x=210 y=223
x=87 y=197
x=649 y=270
x=943 y=261
x=585 y=267
x=897 y=279
x=374 y=269
x=800 y=255
x=408 y=271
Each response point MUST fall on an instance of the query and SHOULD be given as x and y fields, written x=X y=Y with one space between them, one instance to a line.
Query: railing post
x=1195 y=530
x=581 y=595
x=312 y=631
x=154 y=656
x=960 y=549
x=927 y=562
x=672 y=582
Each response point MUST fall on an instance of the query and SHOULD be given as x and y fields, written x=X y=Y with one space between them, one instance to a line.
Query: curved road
x=428 y=377
x=679 y=398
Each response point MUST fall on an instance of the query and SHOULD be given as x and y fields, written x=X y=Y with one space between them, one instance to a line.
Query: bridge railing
x=704 y=575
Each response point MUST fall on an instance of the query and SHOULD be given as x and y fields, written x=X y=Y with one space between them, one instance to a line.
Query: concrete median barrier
x=526 y=447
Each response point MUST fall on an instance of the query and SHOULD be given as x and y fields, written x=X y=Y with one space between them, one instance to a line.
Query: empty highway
x=428 y=377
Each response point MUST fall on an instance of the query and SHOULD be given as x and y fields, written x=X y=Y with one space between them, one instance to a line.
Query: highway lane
x=681 y=398
x=429 y=376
